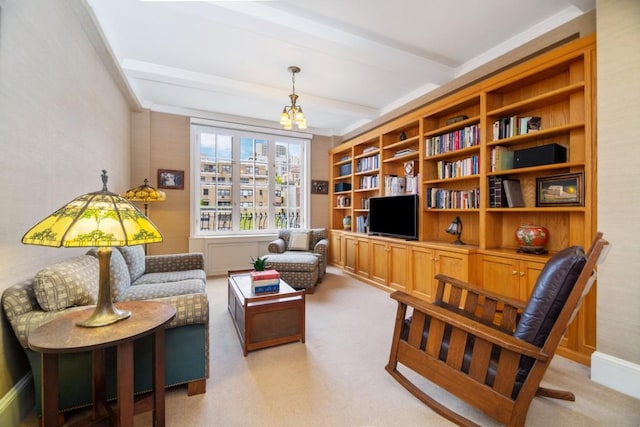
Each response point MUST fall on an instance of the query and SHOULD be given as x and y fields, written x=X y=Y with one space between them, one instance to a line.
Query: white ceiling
x=360 y=59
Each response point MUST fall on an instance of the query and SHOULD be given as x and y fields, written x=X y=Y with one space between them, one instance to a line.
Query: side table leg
x=158 y=378
x=125 y=384
x=49 y=389
x=99 y=380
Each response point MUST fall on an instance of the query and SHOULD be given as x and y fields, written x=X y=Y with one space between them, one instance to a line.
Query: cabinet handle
x=513 y=272
x=521 y=273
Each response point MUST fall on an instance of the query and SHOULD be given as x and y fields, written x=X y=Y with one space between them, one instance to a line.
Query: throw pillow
x=299 y=240
x=69 y=283
x=135 y=258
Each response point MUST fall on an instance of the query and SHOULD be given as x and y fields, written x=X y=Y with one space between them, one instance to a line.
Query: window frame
x=236 y=130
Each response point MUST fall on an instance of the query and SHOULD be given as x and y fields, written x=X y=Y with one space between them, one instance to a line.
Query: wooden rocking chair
x=488 y=350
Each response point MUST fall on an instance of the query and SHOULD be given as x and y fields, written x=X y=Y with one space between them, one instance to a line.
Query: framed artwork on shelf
x=560 y=190
x=319 y=187
x=170 y=179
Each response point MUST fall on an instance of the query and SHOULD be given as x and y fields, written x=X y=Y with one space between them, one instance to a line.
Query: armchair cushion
x=549 y=295
x=70 y=283
x=299 y=240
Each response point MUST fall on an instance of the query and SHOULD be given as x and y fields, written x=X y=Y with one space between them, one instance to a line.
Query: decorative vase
x=532 y=238
x=346 y=222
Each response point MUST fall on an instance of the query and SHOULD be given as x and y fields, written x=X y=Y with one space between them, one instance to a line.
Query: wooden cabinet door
x=398 y=265
x=350 y=254
x=379 y=262
x=452 y=264
x=421 y=282
x=335 y=249
x=500 y=275
x=528 y=272
x=363 y=264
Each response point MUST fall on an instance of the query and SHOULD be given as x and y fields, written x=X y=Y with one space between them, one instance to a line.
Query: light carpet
x=337 y=377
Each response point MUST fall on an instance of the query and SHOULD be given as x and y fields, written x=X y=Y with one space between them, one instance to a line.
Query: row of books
x=507 y=127
x=368 y=163
x=265 y=281
x=370 y=181
x=462 y=167
x=412 y=185
x=361 y=224
x=441 y=198
x=394 y=185
x=343 y=201
x=505 y=193
x=501 y=158
x=452 y=141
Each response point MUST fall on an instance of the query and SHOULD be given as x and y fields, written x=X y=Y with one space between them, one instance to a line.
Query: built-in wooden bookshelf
x=449 y=146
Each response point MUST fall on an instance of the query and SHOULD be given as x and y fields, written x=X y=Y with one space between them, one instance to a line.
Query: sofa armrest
x=277 y=246
x=191 y=309
x=174 y=262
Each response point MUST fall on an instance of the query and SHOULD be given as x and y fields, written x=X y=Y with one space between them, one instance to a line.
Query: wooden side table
x=62 y=335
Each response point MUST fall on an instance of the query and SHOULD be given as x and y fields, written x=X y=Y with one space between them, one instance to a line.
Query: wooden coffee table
x=265 y=320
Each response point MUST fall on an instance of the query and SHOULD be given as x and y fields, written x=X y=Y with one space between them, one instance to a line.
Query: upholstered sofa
x=300 y=256
x=72 y=284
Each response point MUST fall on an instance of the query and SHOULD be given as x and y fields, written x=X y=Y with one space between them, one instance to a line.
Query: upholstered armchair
x=313 y=241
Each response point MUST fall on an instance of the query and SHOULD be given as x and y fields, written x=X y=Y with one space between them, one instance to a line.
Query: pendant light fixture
x=293 y=113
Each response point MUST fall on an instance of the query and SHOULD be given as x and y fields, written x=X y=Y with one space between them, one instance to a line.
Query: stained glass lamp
x=101 y=219
x=145 y=193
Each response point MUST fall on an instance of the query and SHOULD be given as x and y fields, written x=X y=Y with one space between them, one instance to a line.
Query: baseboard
x=618 y=374
x=17 y=402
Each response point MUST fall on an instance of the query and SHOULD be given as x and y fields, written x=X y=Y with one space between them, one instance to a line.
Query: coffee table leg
x=125 y=384
x=49 y=389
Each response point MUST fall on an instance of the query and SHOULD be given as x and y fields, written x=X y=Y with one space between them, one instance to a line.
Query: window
x=247 y=181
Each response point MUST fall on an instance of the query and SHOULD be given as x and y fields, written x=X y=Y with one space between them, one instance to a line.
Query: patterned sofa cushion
x=162 y=290
x=134 y=256
x=171 y=276
x=69 y=283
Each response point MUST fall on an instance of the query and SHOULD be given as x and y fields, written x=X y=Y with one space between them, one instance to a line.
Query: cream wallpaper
x=618 y=26
x=62 y=120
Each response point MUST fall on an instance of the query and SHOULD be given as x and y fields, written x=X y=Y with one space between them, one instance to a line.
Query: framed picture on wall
x=170 y=179
x=319 y=187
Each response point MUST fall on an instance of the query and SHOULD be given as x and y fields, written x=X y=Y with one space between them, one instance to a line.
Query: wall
x=617 y=361
x=62 y=120
x=161 y=141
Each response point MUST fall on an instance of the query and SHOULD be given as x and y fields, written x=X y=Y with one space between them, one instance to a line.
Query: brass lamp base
x=103 y=316
x=105 y=312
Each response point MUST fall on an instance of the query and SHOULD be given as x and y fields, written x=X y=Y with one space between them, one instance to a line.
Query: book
x=263 y=289
x=497 y=192
x=265 y=275
x=501 y=159
x=513 y=193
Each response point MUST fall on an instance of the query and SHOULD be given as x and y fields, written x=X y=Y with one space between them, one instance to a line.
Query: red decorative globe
x=532 y=238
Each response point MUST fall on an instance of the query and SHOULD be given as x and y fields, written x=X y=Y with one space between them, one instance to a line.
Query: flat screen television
x=394 y=216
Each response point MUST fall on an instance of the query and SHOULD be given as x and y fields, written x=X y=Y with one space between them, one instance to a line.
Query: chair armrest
x=277 y=246
x=174 y=262
x=442 y=278
x=321 y=247
x=472 y=327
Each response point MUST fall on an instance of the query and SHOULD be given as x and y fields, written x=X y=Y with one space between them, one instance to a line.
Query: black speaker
x=542 y=155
